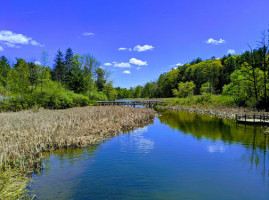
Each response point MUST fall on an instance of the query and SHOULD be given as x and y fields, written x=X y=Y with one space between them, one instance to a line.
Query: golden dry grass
x=25 y=135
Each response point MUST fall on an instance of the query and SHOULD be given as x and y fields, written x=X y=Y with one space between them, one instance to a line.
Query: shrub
x=98 y=96
x=184 y=89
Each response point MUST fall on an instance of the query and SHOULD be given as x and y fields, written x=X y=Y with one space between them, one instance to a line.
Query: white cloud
x=143 y=48
x=1 y=48
x=175 y=66
x=35 y=43
x=137 y=62
x=11 y=45
x=122 y=65
x=215 y=42
x=126 y=72
x=216 y=148
x=107 y=64
x=37 y=62
x=88 y=34
x=124 y=49
x=231 y=51
x=10 y=39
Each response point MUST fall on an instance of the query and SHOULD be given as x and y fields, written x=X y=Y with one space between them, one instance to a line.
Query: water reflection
x=180 y=156
x=217 y=129
x=137 y=141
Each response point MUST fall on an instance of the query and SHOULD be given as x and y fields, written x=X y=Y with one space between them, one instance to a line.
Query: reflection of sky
x=213 y=148
x=137 y=141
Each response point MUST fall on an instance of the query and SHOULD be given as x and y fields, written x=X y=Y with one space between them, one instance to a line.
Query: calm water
x=180 y=156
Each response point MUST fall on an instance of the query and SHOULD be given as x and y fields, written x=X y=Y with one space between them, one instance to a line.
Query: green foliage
x=4 y=70
x=204 y=99
x=97 y=96
x=101 y=81
x=138 y=91
x=52 y=96
x=110 y=92
x=184 y=89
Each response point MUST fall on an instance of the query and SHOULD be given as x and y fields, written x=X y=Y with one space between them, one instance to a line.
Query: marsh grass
x=25 y=135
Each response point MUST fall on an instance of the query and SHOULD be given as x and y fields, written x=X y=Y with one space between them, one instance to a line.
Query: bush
x=184 y=89
x=97 y=96
x=54 y=97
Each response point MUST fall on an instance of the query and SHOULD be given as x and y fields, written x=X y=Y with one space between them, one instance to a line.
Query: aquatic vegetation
x=25 y=135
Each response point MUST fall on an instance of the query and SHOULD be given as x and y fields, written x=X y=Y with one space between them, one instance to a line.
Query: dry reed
x=25 y=135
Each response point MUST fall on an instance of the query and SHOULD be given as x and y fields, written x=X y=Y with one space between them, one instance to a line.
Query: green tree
x=4 y=70
x=138 y=91
x=18 y=78
x=77 y=80
x=110 y=91
x=100 y=81
x=59 y=71
x=184 y=89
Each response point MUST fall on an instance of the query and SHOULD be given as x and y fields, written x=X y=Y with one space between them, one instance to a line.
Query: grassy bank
x=25 y=135
x=216 y=105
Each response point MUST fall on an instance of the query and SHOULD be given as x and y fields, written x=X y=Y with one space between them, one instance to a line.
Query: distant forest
x=78 y=80
x=244 y=77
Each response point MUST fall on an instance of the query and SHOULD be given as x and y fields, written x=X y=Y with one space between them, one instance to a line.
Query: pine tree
x=60 y=71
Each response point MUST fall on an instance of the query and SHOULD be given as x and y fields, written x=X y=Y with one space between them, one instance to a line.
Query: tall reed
x=25 y=135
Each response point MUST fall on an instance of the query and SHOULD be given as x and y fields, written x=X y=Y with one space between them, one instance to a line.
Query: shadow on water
x=201 y=126
x=181 y=155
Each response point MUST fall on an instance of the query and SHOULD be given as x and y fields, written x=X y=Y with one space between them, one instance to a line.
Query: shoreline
x=218 y=111
x=25 y=135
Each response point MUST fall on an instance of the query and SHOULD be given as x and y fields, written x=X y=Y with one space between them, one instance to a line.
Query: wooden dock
x=253 y=119
x=145 y=103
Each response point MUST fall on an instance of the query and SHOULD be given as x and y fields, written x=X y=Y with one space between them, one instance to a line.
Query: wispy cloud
x=1 y=48
x=88 y=34
x=10 y=39
x=137 y=48
x=124 y=49
x=107 y=64
x=174 y=66
x=122 y=65
x=231 y=51
x=35 y=43
x=143 y=48
x=137 y=62
x=126 y=72
x=215 y=42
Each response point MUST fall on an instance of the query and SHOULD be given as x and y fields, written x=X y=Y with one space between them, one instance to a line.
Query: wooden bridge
x=253 y=119
x=145 y=103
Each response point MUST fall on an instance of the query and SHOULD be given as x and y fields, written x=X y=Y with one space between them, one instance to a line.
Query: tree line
x=74 y=80
x=243 y=77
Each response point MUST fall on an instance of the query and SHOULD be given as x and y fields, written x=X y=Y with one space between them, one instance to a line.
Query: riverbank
x=25 y=135
x=218 y=111
x=214 y=105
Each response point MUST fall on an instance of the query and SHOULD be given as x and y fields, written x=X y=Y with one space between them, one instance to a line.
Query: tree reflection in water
x=200 y=126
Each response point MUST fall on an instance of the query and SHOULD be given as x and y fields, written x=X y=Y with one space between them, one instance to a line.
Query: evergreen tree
x=68 y=58
x=4 y=69
x=60 y=71
x=100 y=81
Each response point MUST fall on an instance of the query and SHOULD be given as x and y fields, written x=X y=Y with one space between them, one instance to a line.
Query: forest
x=78 y=80
x=243 y=77
x=74 y=80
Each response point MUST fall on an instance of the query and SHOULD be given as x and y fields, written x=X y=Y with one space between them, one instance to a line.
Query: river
x=180 y=156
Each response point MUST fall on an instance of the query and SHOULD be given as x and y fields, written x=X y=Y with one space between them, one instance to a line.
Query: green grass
x=206 y=100
x=13 y=184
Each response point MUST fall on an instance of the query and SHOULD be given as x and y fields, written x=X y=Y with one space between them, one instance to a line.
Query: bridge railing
x=131 y=103
x=252 y=118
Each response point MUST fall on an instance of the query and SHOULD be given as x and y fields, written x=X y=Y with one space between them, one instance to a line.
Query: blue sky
x=157 y=35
